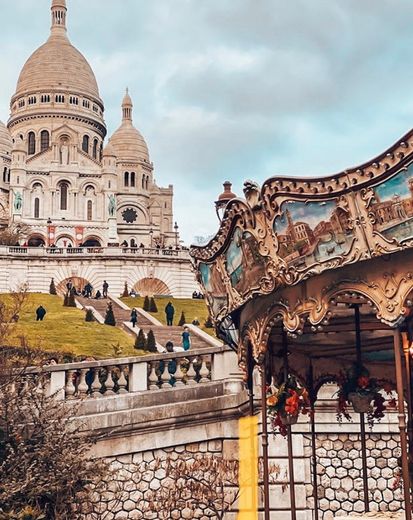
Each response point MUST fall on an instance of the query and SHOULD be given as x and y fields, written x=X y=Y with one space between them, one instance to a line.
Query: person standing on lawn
x=169 y=312
x=40 y=313
x=186 y=339
x=134 y=317
x=105 y=288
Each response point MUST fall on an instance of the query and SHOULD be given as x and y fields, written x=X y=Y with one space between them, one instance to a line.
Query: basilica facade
x=58 y=178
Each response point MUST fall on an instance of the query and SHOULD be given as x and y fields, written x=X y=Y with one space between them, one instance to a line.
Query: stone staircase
x=162 y=332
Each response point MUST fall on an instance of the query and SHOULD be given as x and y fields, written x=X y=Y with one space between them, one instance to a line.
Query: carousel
x=311 y=281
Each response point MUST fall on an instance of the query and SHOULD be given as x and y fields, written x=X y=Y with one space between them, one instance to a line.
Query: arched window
x=44 y=140
x=89 y=210
x=85 y=143
x=36 y=207
x=126 y=179
x=63 y=195
x=8 y=175
x=132 y=179
x=95 y=149
x=31 y=143
x=5 y=175
x=143 y=182
x=147 y=182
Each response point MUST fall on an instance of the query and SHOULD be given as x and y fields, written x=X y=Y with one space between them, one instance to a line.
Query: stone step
x=163 y=334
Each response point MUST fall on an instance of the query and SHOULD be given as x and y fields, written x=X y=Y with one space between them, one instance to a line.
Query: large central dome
x=57 y=65
x=57 y=82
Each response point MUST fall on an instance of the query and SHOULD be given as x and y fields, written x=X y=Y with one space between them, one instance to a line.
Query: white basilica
x=57 y=177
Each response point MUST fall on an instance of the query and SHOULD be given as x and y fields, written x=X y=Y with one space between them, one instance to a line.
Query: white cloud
x=239 y=89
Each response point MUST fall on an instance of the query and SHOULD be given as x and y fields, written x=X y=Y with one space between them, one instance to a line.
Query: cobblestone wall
x=339 y=470
x=125 y=496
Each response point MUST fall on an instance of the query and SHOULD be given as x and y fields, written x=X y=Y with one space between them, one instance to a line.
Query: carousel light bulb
x=313 y=329
x=319 y=328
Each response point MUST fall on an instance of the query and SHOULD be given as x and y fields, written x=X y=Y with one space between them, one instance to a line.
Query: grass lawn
x=64 y=329
x=191 y=308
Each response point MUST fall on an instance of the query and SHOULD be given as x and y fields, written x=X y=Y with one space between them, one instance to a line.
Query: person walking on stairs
x=105 y=288
x=169 y=312
x=186 y=339
x=134 y=317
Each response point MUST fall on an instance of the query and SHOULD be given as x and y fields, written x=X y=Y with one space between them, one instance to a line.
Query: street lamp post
x=176 y=235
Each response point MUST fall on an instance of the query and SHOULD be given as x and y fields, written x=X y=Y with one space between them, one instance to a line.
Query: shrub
x=151 y=342
x=182 y=319
x=110 y=317
x=125 y=293
x=89 y=315
x=140 y=341
x=146 y=303
x=152 y=305
x=71 y=302
x=208 y=323
x=52 y=287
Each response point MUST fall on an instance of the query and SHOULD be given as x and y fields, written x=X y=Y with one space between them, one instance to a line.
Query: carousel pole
x=250 y=380
x=362 y=421
x=289 y=439
x=402 y=424
x=313 y=396
x=264 y=441
x=408 y=371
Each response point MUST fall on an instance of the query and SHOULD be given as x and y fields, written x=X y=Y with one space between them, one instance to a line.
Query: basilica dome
x=57 y=65
x=6 y=143
x=127 y=141
x=57 y=82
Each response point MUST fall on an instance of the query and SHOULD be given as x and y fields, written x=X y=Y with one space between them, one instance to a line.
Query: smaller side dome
x=127 y=141
x=6 y=143
x=109 y=151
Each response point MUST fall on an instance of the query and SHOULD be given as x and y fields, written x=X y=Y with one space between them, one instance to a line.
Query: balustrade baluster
x=96 y=384
x=153 y=377
x=179 y=374
x=165 y=376
x=109 y=383
x=70 y=387
x=191 y=373
x=204 y=371
x=82 y=387
x=122 y=382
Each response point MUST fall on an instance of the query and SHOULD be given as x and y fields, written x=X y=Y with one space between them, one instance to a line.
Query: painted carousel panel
x=392 y=206
x=244 y=263
x=214 y=286
x=312 y=232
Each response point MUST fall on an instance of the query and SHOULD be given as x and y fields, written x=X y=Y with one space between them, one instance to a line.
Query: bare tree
x=13 y=234
x=204 y=485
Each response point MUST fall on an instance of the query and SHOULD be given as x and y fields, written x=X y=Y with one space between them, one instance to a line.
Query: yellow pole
x=248 y=468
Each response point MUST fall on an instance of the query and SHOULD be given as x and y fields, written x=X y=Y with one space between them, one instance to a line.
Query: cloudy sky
x=237 y=89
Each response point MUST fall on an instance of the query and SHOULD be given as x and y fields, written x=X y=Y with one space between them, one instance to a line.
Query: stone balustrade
x=89 y=251
x=110 y=377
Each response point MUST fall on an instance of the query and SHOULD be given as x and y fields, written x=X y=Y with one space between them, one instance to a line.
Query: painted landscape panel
x=214 y=286
x=393 y=206
x=312 y=232
x=244 y=263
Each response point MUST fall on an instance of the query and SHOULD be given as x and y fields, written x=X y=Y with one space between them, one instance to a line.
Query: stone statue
x=18 y=201
x=112 y=205
x=64 y=154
